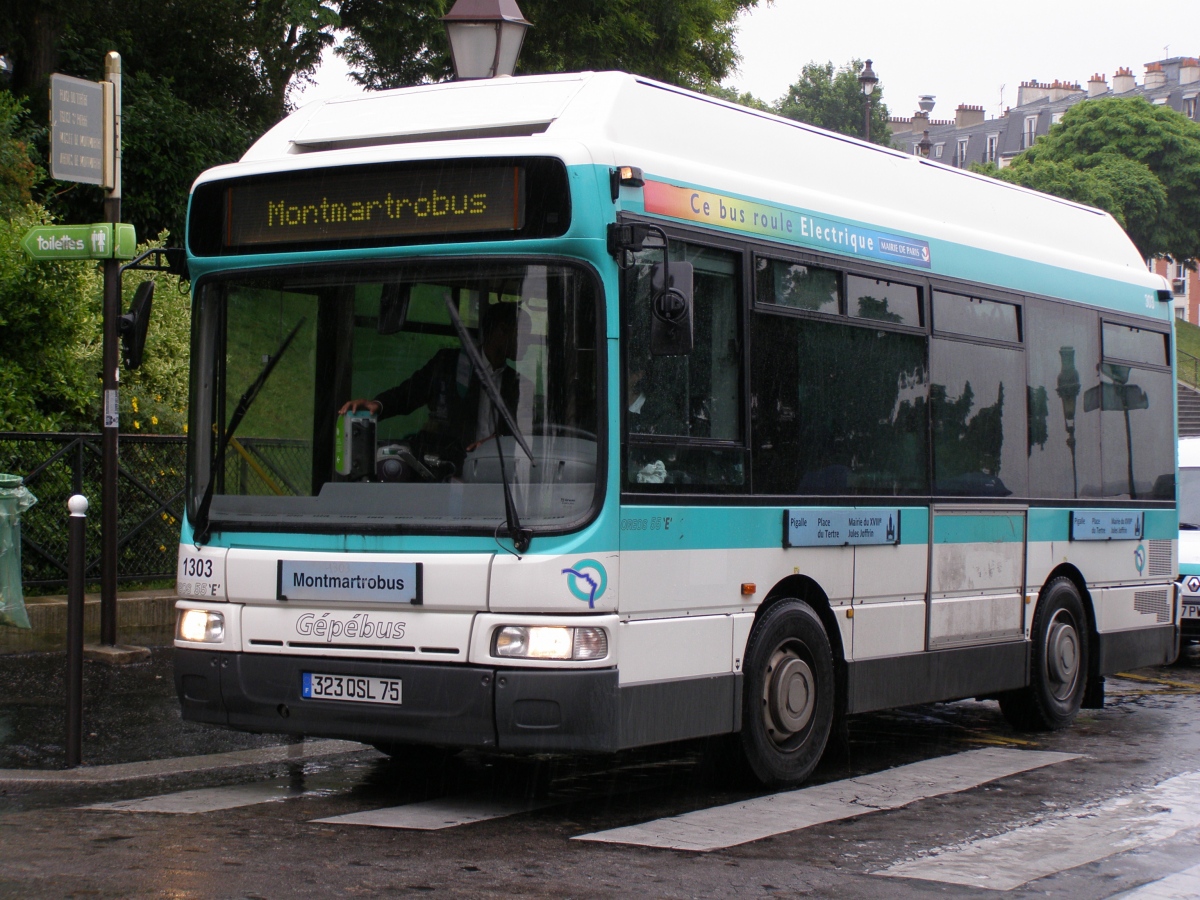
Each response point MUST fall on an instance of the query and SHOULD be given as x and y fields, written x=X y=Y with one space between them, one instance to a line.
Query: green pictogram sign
x=100 y=241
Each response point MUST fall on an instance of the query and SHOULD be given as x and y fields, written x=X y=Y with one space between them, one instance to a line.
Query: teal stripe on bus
x=1055 y=524
x=979 y=529
x=729 y=527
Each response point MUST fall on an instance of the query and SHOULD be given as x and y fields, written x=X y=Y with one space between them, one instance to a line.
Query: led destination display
x=357 y=204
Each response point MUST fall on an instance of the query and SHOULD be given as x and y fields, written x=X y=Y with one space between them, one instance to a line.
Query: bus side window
x=837 y=409
x=671 y=401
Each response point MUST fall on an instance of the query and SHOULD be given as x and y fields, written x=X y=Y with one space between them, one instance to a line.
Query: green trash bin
x=15 y=498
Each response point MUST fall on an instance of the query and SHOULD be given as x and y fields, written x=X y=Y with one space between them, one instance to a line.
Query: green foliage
x=1187 y=350
x=742 y=98
x=154 y=397
x=167 y=143
x=685 y=42
x=47 y=312
x=200 y=79
x=18 y=171
x=832 y=99
x=1137 y=161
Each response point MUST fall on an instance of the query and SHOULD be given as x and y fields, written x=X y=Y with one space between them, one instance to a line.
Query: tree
x=1137 y=161
x=200 y=80
x=684 y=42
x=43 y=306
x=832 y=99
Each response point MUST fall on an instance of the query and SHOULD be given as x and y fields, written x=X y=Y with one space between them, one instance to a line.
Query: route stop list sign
x=81 y=144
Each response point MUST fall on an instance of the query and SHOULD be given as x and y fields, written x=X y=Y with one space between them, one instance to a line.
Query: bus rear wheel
x=1058 y=663
x=788 y=704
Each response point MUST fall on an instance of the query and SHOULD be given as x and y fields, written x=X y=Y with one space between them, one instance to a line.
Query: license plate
x=1190 y=611
x=355 y=688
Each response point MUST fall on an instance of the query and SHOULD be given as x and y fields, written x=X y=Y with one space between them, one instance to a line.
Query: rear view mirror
x=671 y=312
x=133 y=325
x=393 y=308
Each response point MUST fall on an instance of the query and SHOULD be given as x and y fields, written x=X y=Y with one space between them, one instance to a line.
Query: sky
x=964 y=54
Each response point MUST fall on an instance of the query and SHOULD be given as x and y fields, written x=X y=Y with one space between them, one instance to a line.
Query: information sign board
x=840 y=527
x=1106 y=525
x=100 y=241
x=77 y=139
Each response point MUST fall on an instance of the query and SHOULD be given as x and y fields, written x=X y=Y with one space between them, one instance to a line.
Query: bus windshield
x=373 y=416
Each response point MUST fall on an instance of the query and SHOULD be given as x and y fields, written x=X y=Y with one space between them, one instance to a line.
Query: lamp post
x=925 y=144
x=485 y=37
x=867 y=81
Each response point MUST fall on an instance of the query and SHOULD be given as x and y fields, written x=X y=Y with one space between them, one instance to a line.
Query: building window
x=962 y=152
x=992 y=141
x=1056 y=118
x=1181 y=313
x=937 y=150
x=1030 y=132
x=1189 y=107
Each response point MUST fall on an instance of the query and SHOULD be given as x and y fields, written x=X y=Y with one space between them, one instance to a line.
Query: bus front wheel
x=788 y=704
x=1058 y=663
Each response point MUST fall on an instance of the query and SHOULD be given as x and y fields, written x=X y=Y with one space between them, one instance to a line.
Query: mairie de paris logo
x=1139 y=558
x=587 y=581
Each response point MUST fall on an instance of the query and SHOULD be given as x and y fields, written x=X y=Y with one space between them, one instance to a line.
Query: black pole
x=867 y=120
x=75 y=558
x=111 y=380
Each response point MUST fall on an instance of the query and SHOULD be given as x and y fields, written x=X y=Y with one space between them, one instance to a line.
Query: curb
x=182 y=765
x=145 y=617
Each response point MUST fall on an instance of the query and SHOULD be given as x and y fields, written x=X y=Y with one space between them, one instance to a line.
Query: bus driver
x=460 y=412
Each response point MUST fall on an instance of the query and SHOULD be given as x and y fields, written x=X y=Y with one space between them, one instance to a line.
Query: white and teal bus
x=576 y=413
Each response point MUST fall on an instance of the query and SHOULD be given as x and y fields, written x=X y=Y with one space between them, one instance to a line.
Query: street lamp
x=867 y=81
x=485 y=37
x=925 y=144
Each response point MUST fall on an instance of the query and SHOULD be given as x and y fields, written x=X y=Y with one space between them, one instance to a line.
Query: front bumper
x=520 y=710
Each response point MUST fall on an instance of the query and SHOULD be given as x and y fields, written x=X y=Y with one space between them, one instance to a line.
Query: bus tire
x=1058 y=663
x=788 y=700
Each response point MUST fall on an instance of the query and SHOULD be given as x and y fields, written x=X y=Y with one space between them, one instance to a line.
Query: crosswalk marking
x=751 y=820
x=434 y=815
x=1065 y=840
x=203 y=800
x=1183 y=885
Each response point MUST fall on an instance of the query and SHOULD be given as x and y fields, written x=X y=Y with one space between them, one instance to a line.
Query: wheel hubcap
x=789 y=694
x=1062 y=655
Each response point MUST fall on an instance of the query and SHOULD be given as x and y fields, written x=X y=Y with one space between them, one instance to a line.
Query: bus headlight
x=201 y=626
x=550 y=642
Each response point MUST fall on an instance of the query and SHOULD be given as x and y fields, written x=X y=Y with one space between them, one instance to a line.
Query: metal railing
x=151 y=481
x=150 y=486
x=1187 y=368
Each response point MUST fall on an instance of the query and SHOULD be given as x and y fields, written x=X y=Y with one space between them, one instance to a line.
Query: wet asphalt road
x=1103 y=804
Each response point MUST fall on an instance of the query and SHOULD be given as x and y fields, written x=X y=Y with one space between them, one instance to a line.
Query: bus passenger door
x=977 y=575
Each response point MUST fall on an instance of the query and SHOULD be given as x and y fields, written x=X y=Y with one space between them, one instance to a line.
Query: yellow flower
x=136 y=424
x=134 y=401
x=185 y=428
x=154 y=420
x=162 y=549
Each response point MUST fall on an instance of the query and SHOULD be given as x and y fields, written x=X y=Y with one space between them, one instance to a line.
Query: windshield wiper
x=201 y=525
x=520 y=536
